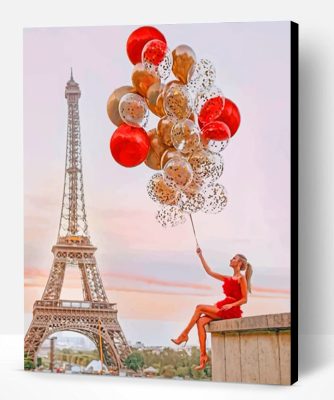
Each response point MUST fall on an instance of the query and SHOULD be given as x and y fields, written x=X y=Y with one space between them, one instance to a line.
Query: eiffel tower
x=94 y=317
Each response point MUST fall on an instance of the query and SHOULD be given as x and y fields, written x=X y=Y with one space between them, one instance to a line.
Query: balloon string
x=192 y=223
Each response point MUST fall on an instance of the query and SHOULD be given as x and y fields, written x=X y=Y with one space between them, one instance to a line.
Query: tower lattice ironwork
x=94 y=316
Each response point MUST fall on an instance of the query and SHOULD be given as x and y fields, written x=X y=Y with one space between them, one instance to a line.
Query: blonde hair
x=246 y=266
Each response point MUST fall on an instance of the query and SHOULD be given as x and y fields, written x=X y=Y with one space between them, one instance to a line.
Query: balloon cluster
x=195 y=124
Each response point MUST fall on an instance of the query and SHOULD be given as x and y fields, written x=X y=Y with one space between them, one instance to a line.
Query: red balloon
x=230 y=115
x=216 y=130
x=138 y=39
x=155 y=51
x=211 y=110
x=129 y=145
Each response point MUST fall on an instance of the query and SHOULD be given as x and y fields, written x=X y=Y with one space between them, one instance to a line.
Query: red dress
x=232 y=290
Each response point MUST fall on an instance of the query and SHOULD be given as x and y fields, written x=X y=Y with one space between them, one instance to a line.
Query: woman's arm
x=243 y=300
x=208 y=270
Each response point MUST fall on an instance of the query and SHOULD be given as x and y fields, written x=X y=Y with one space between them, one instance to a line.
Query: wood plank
x=284 y=340
x=232 y=357
x=249 y=357
x=269 y=363
x=257 y=322
x=218 y=357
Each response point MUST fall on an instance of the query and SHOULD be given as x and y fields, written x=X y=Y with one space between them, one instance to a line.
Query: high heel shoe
x=182 y=338
x=204 y=358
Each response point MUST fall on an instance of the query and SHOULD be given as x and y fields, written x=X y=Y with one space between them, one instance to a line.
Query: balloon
x=201 y=76
x=157 y=148
x=154 y=99
x=192 y=189
x=138 y=39
x=133 y=110
x=170 y=216
x=164 y=129
x=230 y=115
x=157 y=58
x=192 y=204
x=178 y=172
x=160 y=192
x=178 y=102
x=113 y=102
x=206 y=166
x=216 y=130
x=209 y=105
x=183 y=59
x=185 y=136
x=129 y=145
x=153 y=160
x=215 y=146
x=215 y=198
x=169 y=84
x=143 y=79
x=168 y=155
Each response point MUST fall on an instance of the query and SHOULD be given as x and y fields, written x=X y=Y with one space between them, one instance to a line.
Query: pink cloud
x=35 y=277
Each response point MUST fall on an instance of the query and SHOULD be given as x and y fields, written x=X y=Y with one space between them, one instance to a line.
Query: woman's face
x=234 y=261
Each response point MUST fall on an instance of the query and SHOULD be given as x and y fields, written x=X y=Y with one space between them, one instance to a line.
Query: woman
x=235 y=288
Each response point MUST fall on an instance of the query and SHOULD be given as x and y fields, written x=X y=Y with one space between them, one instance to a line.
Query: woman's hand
x=199 y=251
x=226 y=307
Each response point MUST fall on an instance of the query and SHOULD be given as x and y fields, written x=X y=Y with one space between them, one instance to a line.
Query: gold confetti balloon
x=207 y=167
x=178 y=102
x=154 y=99
x=178 y=173
x=168 y=155
x=185 y=136
x=133 y=110
x=170 y=83
x=201 y=76
x=113 y=103
x=215 y=198
x=192 y=189
x=160 y=192
x=191 y=203
x=183 y=59
x=143 y=79
x=170 y=216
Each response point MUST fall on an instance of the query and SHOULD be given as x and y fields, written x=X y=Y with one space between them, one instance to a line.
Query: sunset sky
x=153 y=274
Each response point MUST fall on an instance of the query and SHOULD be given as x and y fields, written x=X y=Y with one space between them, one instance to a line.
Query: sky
x=152 y=273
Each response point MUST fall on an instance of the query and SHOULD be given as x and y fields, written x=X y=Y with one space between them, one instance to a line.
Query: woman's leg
x=201 y=322
x=208 y=310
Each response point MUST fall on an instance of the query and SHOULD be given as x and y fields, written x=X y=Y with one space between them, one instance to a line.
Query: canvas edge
x=294 y=27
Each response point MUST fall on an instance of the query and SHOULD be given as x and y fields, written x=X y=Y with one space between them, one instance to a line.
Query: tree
x=208 y=370
x=134 y=361
x=197 y=374
x=182 y=371
x=168 y=371
x=28 y=362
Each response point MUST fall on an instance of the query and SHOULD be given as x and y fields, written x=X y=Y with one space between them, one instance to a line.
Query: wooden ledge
x=254 y=323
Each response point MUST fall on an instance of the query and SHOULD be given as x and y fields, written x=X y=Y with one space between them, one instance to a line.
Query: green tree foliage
x=169 y=371
x=197 y=374
x=180 y=362
x=28 y=362
x=182 y=371
x=135 y=361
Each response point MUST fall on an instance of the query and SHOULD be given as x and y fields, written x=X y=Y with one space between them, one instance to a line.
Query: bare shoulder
x=218 y=276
